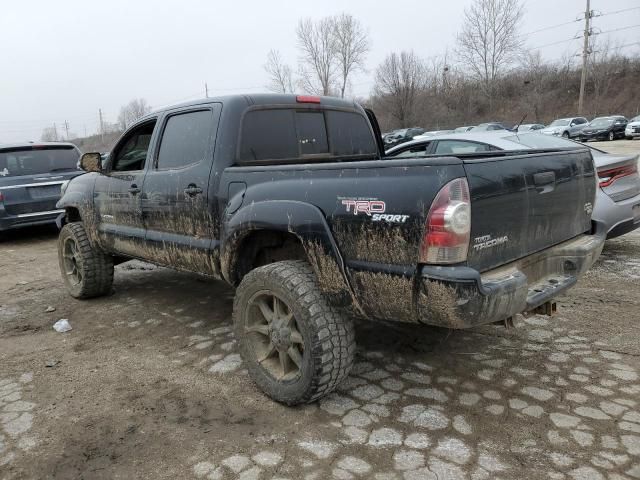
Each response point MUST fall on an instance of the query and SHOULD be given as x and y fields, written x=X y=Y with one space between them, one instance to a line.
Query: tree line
x=489 y=74
x=128 y=114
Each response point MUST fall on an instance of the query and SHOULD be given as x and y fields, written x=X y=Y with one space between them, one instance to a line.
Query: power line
x=616 y=29
x=628 y=45
x=554 y=43
x=551 y=27
x=618 y=11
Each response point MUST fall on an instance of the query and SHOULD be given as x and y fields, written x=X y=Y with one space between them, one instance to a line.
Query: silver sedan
x=618 y=198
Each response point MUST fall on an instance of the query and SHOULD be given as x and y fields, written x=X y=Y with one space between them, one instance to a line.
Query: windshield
x=601 y=122
x=35 y=161
x=635 y=119
x=560 y=123
x=537 y=140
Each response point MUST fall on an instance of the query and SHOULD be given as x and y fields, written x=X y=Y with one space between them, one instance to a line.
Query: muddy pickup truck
x=290 y=200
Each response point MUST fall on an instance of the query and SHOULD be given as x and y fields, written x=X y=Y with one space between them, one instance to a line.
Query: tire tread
x=96 y=266
x=333 y=347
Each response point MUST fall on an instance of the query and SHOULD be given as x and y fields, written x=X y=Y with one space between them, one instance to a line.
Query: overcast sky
x=64 y=60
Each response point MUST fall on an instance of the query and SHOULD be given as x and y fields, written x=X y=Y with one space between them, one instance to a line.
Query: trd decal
x=368 y=207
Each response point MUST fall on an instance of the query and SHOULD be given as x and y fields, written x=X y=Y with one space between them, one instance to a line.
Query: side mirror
x=91 y=162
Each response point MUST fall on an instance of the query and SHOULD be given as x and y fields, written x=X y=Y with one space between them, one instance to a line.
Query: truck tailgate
x=524 y=203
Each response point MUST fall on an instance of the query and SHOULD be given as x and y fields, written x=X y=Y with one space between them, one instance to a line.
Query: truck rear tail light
x=307 y=99
x=1 y=197
x=607 y=177
x=447 y=229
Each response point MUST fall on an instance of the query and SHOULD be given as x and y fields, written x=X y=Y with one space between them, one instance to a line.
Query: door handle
x=545 y=181
x=134 y=189
x=192 y=190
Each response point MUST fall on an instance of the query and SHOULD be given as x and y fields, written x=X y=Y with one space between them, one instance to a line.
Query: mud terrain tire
x=322 y=338
x=86 y=272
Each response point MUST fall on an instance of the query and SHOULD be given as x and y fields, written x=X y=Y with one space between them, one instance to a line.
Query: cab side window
x=185 y=140
x=131 y=154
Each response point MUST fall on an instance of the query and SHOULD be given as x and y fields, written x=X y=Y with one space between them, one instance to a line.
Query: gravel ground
x=149 y=384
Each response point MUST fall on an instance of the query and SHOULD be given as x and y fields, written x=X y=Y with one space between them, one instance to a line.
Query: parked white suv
x=565 y=127
x=632 y=130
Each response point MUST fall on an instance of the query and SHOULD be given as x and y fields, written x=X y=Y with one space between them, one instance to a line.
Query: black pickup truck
x=289 y=199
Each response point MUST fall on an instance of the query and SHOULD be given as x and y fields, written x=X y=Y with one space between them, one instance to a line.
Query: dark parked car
x=400 y=136
x=30 y=179
x=289 y=199
x=604 y=128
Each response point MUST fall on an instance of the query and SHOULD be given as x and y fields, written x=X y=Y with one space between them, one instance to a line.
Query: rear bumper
x=460 y=297
x=618 y=217
x=9 y=222
x=593 y=136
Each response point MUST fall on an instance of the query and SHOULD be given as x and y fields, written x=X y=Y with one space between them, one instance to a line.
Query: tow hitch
x=548 y=308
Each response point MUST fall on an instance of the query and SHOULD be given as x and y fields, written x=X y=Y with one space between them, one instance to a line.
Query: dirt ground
x=148 y=384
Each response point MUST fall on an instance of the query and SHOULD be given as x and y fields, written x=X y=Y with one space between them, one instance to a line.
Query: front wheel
x=565 y=135
x=86 y=272
x=296 y=346
x=611 y=136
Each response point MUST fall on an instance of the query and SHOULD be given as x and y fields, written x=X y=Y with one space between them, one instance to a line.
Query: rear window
x=290 y=134
x=454 y=147
x=30 y=161
x=602 y=122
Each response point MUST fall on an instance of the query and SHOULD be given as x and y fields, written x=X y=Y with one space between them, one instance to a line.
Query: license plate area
x=45 y=191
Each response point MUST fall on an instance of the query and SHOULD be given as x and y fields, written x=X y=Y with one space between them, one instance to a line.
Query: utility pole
x=101 y=125
x=66 y=128
x=585 y=55
x=55 y=132
x=206 y=90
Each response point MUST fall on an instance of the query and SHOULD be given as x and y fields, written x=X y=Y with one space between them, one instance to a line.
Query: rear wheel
x=86 y=272
x=611 y=136
x=295 y=345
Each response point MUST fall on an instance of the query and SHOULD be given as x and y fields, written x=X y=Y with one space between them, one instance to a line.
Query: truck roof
x=13 y=146
x=261 y=99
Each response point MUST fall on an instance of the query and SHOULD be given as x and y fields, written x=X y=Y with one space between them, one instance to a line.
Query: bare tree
x=534 y=72
x=316 y=41
x=50 y=134
x=132 y=111
x=280 y=76
x=351 y=47
x=489 y=40
x=399 y=81
x=603 y=64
